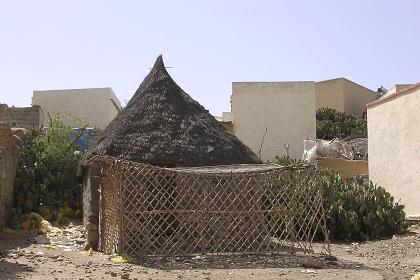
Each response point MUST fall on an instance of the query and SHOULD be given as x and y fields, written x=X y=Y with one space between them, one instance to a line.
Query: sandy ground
x=396 y=258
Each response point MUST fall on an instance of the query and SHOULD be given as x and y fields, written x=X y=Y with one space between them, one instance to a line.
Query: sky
x=54 y=44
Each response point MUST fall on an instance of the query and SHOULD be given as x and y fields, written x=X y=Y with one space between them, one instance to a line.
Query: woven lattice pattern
x=152 y=211
x=108 y=208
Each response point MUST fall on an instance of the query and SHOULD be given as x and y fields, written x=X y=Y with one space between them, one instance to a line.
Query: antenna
x=165 y=67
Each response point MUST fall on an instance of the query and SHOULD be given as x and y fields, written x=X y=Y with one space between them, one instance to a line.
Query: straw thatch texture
x=162 y=125
x=152 y=211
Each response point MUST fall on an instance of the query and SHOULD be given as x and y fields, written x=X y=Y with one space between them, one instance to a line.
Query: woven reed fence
x=245 y=209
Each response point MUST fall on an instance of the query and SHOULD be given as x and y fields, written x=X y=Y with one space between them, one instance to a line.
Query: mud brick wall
x=8 y=162
x=28 y=117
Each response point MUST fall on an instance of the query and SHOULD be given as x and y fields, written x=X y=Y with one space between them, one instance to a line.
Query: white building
x=272 y=118
x=394 y=145
x=94 y=107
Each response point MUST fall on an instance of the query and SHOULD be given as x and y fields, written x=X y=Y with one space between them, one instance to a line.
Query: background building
x=394 y=145
x=343 y=95
x=288 y=111
x=93 y=106
x=396 y=88
x=272 y=118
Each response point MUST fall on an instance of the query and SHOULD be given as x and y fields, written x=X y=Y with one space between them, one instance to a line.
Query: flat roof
x=224 y=169
x=206 y=170
x=95 y=90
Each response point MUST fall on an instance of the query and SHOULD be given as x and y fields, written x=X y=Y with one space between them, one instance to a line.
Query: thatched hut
x=162 y=126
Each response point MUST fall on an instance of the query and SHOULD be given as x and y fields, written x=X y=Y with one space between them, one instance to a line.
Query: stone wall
x=28 y=117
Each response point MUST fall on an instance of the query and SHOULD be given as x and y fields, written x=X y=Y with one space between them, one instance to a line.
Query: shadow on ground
x=10 y=244
x=10 y=270
x=286 y=260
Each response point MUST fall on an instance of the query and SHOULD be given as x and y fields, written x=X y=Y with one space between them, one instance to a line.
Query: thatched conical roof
x=163 y=125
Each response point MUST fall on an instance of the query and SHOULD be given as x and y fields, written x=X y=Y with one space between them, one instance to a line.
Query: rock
x=125 y=276
x=41 y=239
x=330 y=258
x=332 y=263
x=91 y=226
x=113 y=274
x=79 y=241
x=313 y=263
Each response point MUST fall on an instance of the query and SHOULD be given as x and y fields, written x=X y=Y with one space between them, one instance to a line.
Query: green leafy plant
x=46 y=178
x=355 y=209
x=332 y=124
x=285 y=161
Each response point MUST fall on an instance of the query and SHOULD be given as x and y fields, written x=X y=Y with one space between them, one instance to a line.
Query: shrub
x=332 y=124
x=285 y=161
x=357 y=210
x=360 y=211
x=46 y=177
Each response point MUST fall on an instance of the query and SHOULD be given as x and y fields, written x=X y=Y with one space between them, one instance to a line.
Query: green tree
x=46 y=178
x=332 y=124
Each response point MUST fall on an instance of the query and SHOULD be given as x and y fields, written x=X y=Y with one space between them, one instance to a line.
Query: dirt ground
x=395 y=258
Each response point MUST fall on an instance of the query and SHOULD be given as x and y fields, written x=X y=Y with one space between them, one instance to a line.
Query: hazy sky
x=78 y=44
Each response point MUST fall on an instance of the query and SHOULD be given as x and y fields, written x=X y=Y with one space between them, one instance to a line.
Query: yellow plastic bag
x=119 y=259
x=43 y=226
x=416 y=277
x=35 y=222
x=49 y=246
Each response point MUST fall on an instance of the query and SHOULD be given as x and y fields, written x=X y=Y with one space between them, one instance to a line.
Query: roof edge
x=394 y=95
x=345 y=79
x=271 y=82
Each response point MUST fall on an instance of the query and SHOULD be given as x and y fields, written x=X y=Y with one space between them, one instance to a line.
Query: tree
x=47 y=173
x=332 y=124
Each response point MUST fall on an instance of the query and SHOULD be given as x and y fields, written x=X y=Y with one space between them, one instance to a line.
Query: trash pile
x=34 y=223
x=353 y=149
x=70 y=238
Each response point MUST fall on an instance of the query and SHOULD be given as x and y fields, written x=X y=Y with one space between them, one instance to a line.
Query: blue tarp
x=83 y=140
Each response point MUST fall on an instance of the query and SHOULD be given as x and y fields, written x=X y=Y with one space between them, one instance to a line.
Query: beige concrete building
x=287 y=110
x=343 y=95
x=272 y=118
x=93 y=106
x=394 y=145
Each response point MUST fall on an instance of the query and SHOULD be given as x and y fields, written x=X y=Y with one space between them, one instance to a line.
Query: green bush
x=356 y=210
x=360 y=211
x=46 y=179
x=332 y=124
x=285 y=161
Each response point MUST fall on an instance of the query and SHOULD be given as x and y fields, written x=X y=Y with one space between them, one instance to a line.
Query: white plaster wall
x=94 y=106
x=394 y=148
x=286 y=109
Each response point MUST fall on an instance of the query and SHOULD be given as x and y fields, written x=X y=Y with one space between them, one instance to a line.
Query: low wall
x=346 y=168
x=8 y=161
x=28 y=117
